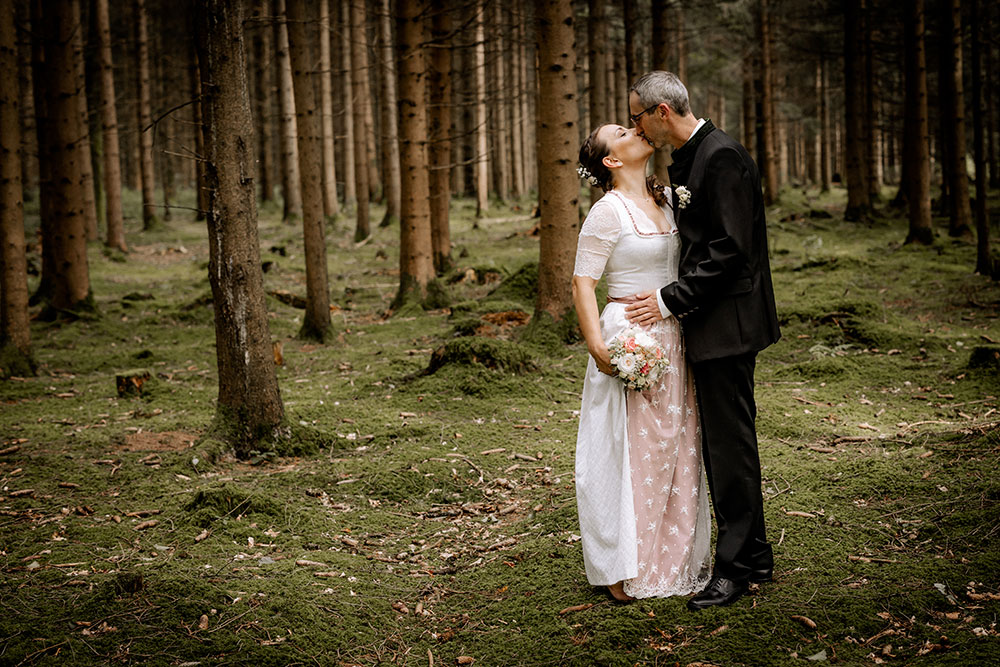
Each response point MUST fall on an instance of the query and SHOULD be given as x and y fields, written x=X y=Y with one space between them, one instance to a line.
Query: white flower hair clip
x=683 y=196
x=585 y=174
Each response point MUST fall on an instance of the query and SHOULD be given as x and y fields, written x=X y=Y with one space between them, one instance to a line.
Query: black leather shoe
x=719 y=593
x=761 y=575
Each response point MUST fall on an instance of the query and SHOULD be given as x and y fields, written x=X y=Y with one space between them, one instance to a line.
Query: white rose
x=643 y=339
x=627 y=363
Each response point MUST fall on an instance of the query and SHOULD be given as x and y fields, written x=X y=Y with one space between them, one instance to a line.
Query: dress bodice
x=619 y=241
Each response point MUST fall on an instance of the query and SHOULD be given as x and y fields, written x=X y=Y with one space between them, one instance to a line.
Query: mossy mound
x=228 y=500
x=520 y=286
x=483 y=307
x=985 y=357
x=14 y=363
x=486 y=352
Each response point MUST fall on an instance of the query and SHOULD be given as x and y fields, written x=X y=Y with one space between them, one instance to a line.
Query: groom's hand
x=645 y=311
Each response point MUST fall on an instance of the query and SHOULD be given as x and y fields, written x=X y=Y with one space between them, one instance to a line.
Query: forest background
x=374 y=464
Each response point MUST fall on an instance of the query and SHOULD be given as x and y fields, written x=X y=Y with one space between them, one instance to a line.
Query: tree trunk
x=826 y=170
x=529 y=101
x=482 y=147
x=497 y=117
x=316 y=324
x=290 y=179
x=597 y=54
x=249 y=405
x=765 y=107
x=43 y=135
x=416 y=263
x=67 y=233
x=960 y=221
x=980 y=27
x=993 y=155
x=144 y=114
x=915 y=127
x=630 y=23
x=347 y=70
x=557 y=153
x=15 y=333
x=871 y=138
x=330 y=205
x=109 y=129
x=86 y=156
x=680 y=38
x=262 y=105
x=361 y=96
x=513 y=107
x=29 y=142
x=390 y=116
x=198 y=126
x=858 y=201
x=439 y=118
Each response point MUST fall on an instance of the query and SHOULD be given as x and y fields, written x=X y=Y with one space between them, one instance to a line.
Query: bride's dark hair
x=592 y=154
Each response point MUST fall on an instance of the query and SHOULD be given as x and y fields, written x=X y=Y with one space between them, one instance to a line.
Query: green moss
x=521 y=286
x=486 y=352
x=14 y=362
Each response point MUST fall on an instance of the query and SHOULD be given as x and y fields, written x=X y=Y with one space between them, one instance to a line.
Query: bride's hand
x=603 y=360
x=645 y=311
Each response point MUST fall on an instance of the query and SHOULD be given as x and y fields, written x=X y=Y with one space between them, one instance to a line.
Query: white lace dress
x=640 y=486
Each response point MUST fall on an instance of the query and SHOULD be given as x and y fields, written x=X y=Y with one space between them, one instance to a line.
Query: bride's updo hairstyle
x=592 y=154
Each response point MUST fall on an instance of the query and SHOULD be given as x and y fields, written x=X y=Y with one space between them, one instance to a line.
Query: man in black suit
x=724 y=301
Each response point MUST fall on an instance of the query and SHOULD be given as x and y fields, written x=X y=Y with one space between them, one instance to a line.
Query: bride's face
x=625 y=146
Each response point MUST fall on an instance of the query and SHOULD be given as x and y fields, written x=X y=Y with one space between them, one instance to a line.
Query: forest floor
x=438 y=525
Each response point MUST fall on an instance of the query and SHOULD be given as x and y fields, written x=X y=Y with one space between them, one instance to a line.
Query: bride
x=640 y=486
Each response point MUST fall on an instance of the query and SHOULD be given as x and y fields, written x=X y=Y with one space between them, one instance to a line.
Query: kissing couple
x=687 y=263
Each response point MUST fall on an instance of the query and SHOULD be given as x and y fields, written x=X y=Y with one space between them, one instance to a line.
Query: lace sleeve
x=598 y=237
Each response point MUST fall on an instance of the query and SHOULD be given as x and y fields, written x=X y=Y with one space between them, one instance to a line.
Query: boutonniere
x=683 y=196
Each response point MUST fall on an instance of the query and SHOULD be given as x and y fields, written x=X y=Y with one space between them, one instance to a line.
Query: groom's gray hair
x=659 y=86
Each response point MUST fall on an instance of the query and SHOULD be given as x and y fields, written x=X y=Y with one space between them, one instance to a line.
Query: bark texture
x=766 y=139
x=416 y=264
x=558 y=128
x=15 y=334
x=144 y=114
x=916 y=149
x=290 y=181
x=66 y=234
x=109 y=129
x=439 y=112
x=482 y=143
x=316 y=323
x=389 y=116
x=856 y=177
x=330 y=205
x=960 y=211
x=360 y=94
x=249 y=406
x=984 y=260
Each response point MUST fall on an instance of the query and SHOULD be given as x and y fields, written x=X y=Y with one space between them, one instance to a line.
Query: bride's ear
x=611 y=162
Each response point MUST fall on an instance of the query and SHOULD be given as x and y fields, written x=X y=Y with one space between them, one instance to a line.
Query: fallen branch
x=576 y=607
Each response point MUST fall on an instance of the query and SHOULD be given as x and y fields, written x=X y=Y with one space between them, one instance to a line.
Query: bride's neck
x=632 y=181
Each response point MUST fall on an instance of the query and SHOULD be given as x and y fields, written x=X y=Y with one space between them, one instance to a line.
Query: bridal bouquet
x=638 y=359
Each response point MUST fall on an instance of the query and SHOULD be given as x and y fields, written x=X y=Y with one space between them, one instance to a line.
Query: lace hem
x=684 y=585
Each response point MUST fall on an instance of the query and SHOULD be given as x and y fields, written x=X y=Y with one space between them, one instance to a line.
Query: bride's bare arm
x=585 y=300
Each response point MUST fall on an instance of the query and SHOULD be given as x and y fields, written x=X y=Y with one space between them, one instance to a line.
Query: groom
x=725 y=303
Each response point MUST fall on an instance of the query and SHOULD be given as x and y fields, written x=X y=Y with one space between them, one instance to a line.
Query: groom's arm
x=728 y=191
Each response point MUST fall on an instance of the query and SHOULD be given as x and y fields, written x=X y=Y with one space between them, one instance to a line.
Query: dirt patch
x=165 y=441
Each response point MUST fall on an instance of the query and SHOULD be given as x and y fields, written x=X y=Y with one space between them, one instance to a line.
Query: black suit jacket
x=723 y=296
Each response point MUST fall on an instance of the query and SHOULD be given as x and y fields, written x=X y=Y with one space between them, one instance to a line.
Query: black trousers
x=724 y=388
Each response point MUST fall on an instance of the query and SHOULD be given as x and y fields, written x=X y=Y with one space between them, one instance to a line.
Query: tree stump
x=130 y=383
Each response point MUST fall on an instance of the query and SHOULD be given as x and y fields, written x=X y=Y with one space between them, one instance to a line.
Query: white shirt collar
x=701 y=121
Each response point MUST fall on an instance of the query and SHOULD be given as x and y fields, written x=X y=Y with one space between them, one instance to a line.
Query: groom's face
x=648 y=123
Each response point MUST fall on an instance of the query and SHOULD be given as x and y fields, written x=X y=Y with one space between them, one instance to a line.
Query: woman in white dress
x=640 y=487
